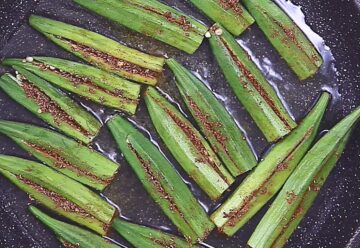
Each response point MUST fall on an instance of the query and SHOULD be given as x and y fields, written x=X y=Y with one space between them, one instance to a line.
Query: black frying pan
x=333 y=221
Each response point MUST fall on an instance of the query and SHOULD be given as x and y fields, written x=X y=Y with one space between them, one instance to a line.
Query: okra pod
x=69 y=235
x=87 y=81
x=50 y=104
x=145 y=237
x=152 y=18
x=63 y=154
x=101 y=51
x=286 y=37
x=250 y=86
x=187 y=145
x=59 y=193
x=161 y=181
x=215 y=122
x=271 y=173
x=302 y=187
x=229 y=13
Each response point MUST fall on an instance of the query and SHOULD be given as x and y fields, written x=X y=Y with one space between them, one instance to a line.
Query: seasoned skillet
x=334 y=219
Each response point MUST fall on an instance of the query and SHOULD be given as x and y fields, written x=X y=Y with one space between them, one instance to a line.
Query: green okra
x=302 y=187
x=50 y=104
x=250 y=86
x=70 y=235
x=286 y=37
x=271 y=173
x=215 y=122
x=87 y=81
x=230 y=14
x=145 y=237
x=152 y=18
x=161 y=181
x=63 y=154
x=59 y=193
x=187 y=145
x=101 y=51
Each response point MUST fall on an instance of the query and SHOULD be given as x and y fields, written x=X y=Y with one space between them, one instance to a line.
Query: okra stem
x=286 y=208
x=271 y=173
x=59 y=193
x=161 y=181
x=70 y=235
x=286 y=37
x=87 y=81
x=101 y=51
x=152 y=18
x=229 y=13
x=215 y=122
x=145 y=237
x=187 y=145
x=63 y=154
x=50 y=104
x=250 y=86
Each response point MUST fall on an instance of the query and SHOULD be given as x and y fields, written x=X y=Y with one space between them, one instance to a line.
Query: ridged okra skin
x=50 y=104
x=187 y=145
x=215 y=122
x=101 y=51
x=86 y=81
x=250 y=86
x=161 y=181
x=152 y=18
x=286 y=37
x=59 y=193
x=302 y=187
x=230 y=14
x=271 y=173
x=63 y=154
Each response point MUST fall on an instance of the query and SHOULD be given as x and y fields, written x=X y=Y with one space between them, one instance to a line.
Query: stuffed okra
x=50 y=104
x=302 y=187
x=59 y=193
x=271 y=173
x=250 y=86
x=215 y=122
x=229 y=13
x=152 y=18
x=63 y=154
x=101 y=51
x=187 y=145
x=87 y=81
x=69 y=235
x=161 y=181
x=287 y=38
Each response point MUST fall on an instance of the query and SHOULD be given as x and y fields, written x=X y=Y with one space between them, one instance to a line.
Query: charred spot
x=256 y=84
x=67 y=244
x=233 y=5
x=153 y=177
x=46 y=105
x=114 y=62
x=61 y=163
x=164 y=243
x=60 y=201
x=291 y=197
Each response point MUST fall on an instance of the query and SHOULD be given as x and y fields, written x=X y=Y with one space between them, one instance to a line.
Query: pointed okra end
x=215 y=122
x=146 y=237
x=70 y=235
x=271 y=173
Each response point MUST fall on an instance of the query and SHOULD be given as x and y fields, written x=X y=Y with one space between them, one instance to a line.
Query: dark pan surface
x=333 y=221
